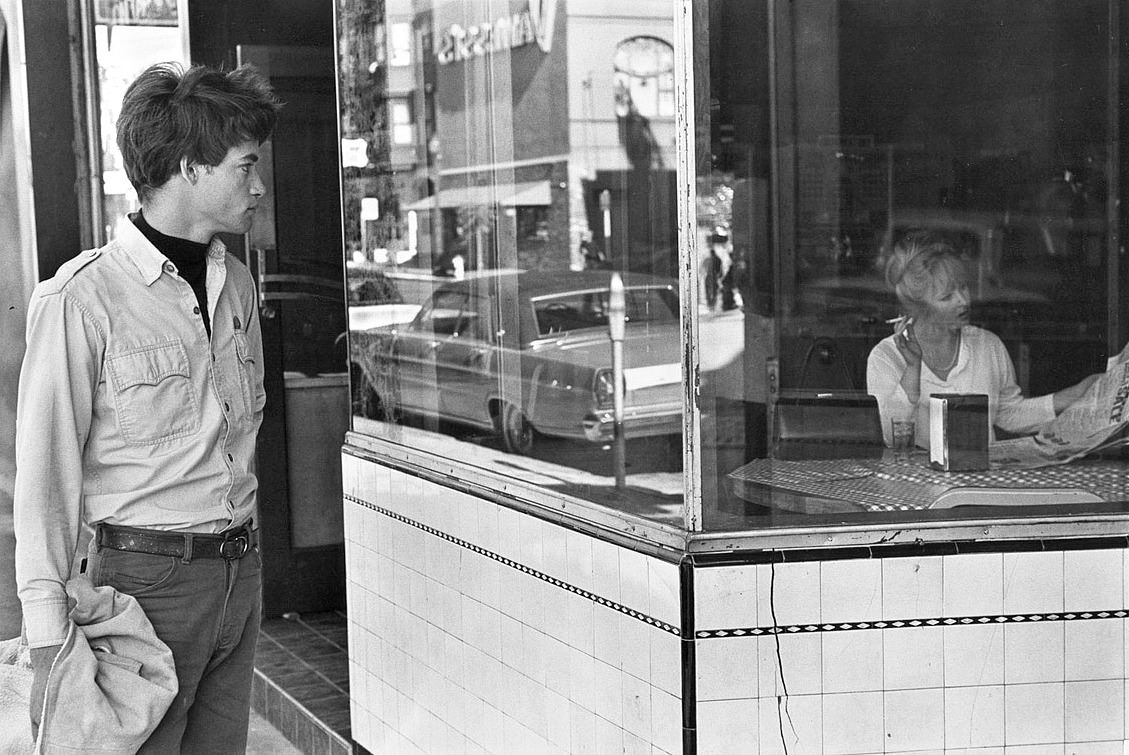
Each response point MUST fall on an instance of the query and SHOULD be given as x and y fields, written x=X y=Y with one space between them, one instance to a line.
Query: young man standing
x=140 y=398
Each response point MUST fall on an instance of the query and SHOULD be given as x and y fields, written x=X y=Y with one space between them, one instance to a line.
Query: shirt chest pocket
x=153 y=393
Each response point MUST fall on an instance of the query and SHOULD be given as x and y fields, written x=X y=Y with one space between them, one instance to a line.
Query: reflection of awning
x=523 y=194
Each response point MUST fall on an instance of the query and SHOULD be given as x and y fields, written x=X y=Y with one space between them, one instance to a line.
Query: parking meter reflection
x=617 y=327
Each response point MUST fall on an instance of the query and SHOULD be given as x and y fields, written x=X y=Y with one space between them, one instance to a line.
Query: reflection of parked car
x=526 y=353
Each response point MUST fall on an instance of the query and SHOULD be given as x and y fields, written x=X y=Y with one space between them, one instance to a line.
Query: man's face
x=227 y=194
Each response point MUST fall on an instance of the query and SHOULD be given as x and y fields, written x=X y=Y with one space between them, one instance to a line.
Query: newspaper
x=1092 y=423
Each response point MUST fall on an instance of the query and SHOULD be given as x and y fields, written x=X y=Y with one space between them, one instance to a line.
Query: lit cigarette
x=900 y=323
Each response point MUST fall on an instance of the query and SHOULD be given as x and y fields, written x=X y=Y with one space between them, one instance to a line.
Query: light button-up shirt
x=128 y=413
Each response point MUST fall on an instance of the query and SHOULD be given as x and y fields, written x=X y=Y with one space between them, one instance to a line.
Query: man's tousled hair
x=199 y=113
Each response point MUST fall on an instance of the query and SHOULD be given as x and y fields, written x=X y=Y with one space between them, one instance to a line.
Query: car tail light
x=605 y=389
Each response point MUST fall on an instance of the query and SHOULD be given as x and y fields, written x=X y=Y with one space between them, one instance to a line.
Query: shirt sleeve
x=884 y=369
x=1015 y=413
x=61 y=370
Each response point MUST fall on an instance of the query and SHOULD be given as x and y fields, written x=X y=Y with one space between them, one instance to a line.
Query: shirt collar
x=151 y=263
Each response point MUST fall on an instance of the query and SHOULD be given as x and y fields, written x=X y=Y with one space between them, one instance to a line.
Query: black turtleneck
x=190 y=258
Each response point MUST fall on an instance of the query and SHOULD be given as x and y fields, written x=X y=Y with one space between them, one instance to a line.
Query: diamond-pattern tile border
x=706 y=634
x=651 y=620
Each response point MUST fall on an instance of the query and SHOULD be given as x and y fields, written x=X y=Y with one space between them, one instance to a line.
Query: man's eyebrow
x=250 y=157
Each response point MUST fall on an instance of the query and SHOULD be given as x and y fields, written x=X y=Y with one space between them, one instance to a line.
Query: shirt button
x=226 y=408
x=230 y=458
x=170 y=268
x=195 y=310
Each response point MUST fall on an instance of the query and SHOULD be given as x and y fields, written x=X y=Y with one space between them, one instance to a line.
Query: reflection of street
x=654 y=477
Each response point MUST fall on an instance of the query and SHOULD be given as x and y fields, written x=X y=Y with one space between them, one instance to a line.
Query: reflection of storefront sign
x=534 y=24
x=135 y=12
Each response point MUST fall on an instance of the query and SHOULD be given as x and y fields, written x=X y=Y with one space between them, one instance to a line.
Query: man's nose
x=258 y=188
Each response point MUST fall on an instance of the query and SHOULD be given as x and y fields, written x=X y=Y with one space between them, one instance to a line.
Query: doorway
x=294 y=252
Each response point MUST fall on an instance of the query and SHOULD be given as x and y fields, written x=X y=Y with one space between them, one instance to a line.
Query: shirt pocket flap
x=149 y=365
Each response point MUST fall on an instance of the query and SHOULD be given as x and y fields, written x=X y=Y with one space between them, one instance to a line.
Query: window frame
x=692 y=121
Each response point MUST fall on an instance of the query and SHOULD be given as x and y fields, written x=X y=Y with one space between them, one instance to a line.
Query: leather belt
x=229 y=545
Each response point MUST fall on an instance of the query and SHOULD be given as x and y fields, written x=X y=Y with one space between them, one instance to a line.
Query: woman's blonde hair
x=923 y=263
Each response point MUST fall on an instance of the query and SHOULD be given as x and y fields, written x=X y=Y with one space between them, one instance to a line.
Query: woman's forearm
x=1068 y=396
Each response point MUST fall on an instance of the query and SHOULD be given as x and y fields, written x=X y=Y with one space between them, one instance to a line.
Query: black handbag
x=826 y=425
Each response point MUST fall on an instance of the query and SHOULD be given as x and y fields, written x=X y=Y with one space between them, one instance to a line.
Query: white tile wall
x=790 y=592
x=914 y=719
x=1033 y=582
x=1031 y=714
x=1094 y=649
x=913 y=658
x=452 y=650
x=1094 y=580
x=972 y=585
x=852 y=661
x=852 y=722
x=850 y=591
x=722 y=724
x=724 y=670
x=974 y=717
x=1037 y=685
x=974 y=655
x=1094 y=710
x=798 y=667
x=727 y=597
x=794 y=723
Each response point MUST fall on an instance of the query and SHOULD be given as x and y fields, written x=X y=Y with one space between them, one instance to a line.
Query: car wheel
x=517 y=432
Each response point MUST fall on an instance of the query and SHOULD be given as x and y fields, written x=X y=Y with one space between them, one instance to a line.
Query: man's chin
x=238 y=229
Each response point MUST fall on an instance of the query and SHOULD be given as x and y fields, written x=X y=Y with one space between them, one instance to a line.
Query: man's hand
x=41 y=660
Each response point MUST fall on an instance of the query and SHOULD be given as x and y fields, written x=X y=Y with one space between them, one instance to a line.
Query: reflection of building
x=493 y=139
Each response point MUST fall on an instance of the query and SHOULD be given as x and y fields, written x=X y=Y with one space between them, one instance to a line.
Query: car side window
x=560 y=314
x=589 y=309
x=441 y=317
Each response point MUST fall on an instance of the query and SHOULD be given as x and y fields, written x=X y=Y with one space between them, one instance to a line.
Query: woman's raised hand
x=907 y=342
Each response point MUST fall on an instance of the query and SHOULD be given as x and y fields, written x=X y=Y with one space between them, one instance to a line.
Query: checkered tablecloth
x=888 y=485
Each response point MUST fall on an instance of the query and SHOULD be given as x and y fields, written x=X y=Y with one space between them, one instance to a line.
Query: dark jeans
x=207 y=611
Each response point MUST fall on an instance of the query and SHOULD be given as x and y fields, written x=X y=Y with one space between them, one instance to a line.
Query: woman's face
x=947 y=304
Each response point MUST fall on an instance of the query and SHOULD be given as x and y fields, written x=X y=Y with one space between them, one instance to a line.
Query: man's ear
x=187 y=172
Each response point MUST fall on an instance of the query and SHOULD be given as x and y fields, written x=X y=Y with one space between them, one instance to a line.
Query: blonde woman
x=934 y=349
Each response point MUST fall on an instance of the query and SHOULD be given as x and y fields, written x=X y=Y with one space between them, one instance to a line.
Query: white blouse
x=983 y=366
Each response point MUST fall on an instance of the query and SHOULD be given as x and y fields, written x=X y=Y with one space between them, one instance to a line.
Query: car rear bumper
x=637 y=423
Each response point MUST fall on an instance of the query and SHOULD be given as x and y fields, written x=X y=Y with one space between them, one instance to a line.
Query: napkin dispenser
x=958 y=432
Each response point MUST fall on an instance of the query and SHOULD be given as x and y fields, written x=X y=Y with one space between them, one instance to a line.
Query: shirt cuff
x=1047 y=407
x=46 y=624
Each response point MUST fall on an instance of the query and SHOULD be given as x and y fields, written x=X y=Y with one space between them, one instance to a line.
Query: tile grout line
x=306 y=664
x=310 y=718
x=315 y=630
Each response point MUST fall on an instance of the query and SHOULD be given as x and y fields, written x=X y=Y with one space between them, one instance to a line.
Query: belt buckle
x=235 y=547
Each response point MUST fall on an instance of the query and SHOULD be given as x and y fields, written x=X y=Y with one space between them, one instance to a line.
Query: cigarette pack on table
x=958 y=432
